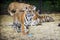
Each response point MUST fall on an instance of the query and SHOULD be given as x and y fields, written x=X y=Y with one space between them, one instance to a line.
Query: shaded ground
x=46 y=31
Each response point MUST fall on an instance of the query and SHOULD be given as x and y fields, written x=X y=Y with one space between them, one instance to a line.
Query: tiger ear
x=34 y=8
x=38 y=11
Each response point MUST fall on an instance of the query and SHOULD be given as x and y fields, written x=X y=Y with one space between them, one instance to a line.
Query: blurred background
x=45 y=31
x=45 y=6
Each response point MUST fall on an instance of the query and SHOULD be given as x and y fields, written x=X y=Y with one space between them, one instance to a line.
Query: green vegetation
x=43 y=5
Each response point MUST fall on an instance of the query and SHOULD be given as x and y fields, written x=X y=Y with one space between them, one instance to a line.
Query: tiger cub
x=19 y=11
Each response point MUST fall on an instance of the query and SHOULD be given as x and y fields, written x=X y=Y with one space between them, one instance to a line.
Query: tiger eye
x=33 y=11
x=29 y=11
x=26 y=7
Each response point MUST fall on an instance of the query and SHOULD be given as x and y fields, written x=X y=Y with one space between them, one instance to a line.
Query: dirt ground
x=46 y=31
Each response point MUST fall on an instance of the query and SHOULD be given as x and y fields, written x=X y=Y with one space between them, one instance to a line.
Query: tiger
x=15 y=6
x=19 y=12
x=25 y=15
x=39 y=19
